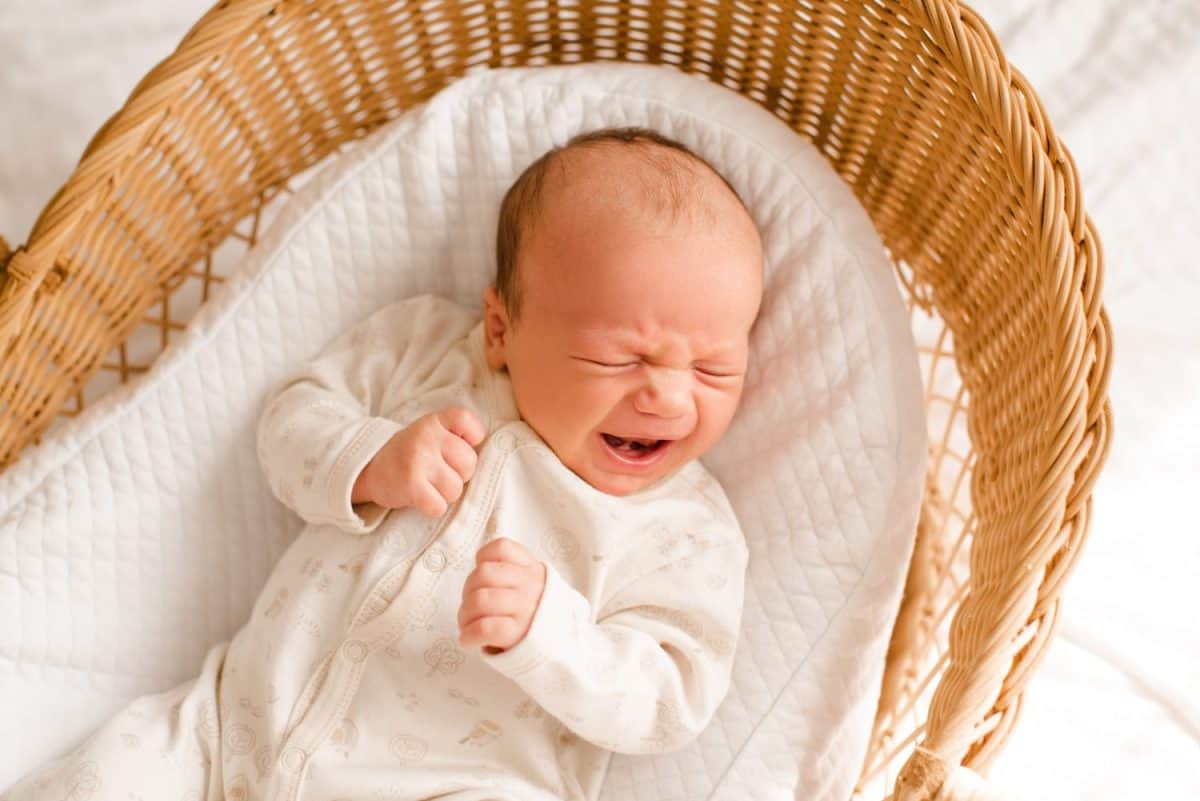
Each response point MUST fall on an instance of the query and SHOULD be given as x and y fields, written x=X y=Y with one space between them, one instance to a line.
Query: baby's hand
x=500 y=596
x=425 y=465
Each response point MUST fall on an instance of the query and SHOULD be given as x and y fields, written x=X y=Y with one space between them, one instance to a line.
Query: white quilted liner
x=138 y=535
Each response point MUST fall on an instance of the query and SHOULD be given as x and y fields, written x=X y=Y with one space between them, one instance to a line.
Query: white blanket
x=140 y=533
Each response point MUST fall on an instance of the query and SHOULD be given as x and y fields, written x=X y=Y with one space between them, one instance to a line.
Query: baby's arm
x=647 y=673
x=325 y=423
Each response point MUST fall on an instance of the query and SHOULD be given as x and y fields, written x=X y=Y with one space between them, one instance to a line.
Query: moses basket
x=911 y=101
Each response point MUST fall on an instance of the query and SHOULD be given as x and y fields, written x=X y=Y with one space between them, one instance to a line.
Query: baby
x=514 y=563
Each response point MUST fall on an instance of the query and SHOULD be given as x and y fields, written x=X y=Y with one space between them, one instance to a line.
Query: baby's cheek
x=598 y=394
x=714 y=422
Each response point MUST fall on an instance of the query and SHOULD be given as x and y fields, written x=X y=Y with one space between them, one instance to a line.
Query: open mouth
x=635 y=450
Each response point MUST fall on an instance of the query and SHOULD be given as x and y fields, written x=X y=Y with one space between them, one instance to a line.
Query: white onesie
x=348 y=682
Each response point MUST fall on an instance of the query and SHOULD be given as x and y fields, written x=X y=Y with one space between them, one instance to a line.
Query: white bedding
x=139 y=534
x=1119 y=83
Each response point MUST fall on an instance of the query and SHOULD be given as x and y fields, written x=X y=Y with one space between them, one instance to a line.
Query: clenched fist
x=500 y=596
x=425 y=465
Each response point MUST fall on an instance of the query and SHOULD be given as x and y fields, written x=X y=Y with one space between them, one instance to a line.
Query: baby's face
x=630 y=353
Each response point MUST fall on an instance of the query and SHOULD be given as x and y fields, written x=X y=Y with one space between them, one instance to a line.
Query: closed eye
x=623 y=365
x=606 y=364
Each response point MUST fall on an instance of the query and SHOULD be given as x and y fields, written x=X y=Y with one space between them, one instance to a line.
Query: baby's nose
x=666 y=393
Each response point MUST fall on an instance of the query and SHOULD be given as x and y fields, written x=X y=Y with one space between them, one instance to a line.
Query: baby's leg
x=159 y=748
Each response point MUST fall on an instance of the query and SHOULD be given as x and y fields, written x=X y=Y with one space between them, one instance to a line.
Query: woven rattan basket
x=911 y=101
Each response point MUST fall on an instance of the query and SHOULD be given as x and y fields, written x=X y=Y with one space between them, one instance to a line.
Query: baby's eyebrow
x=716 y=353
x=607 y=337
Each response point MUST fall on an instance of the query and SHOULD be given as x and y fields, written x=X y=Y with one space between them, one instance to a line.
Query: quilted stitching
x=140 y=533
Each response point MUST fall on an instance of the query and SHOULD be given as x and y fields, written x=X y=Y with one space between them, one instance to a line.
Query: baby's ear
x=496 y=329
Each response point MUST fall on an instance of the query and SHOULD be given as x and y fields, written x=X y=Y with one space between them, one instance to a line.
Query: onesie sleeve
x=325 y=422
x=646 y=674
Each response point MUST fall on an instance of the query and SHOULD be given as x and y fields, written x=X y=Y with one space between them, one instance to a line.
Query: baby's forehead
x=642 y=178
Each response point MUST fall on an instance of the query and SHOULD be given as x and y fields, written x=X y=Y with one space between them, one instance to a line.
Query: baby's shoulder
x=425 y=314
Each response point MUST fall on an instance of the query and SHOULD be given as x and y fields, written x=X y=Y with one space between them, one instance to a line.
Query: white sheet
x=1119 y=82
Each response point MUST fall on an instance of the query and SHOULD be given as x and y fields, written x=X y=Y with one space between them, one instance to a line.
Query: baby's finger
x=494 y=574
x=503 y=549
x=426 y=499
x=449 y=484
x=491 y=602
x=500 y=632
x=465 y=423
x=459 y=455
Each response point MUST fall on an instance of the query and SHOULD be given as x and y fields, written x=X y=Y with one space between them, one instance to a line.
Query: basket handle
x=927 y=777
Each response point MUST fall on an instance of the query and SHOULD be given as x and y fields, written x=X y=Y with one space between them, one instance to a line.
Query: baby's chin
x=618 y=485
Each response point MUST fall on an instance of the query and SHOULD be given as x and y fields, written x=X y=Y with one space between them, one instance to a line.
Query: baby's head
x=629 y=275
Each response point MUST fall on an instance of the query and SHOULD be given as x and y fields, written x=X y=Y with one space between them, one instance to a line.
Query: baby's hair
x=524 y=198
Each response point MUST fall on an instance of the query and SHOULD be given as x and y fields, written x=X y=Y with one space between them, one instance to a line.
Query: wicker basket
x=911 y=101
